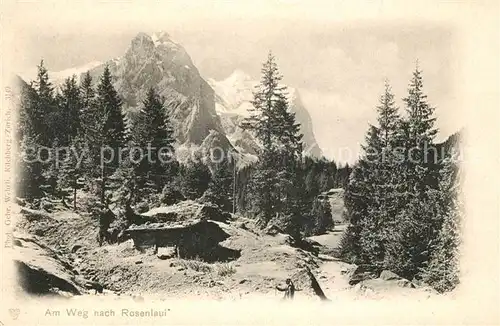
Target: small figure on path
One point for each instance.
(289, 289)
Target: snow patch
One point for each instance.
(58, 77)
(160, 38)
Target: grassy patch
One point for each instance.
(225, 269)
(221, 269)
(195, 265)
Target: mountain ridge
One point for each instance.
(205, 113)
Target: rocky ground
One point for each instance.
(60, 251)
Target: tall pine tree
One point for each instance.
(153, 133)
(370, 193)
(44, 115)
(70, 107)
(220, 188)
(108, 131)
(274, 126)
(109, 105)
(442, 271)
(416, 179)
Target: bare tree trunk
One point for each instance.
(74, 198)
(315, 285)
(103, 186)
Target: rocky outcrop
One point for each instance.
(362, 273)
(157, 61)
(371, 281)
(389, 276)
(42, 271)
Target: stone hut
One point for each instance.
(190, 227)
(196, 239)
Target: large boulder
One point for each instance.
(213, 212)
(364, 272)
(389, 276)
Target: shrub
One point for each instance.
(225, 269)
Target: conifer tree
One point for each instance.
(87, 92)
(359, 201)
(263, 188)
(108, 130)
(274, 126)
(388, 117)
(109, 105)
(195, 178)
(370, 192)
(416, 179)
(384, 187)
(422, 168)
(37, 106)
(220, 188)
(43, 113)
(27, 114)
(269, 94)
(442, 271)
(92, 127)
(289, 149)
(153, 133)
(320, 218)
(70, 110)
(30, 170)
(73, 167)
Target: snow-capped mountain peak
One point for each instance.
(238, 77)
(233, 96)
(58, 77)
(160, 38)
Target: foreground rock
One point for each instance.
(389, 276)
(362, 273)
(42, 270)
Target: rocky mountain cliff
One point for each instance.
(157, 61)
(232, 103)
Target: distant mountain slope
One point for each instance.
(233, 97)
(157, 61)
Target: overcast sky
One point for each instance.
(339, 66)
